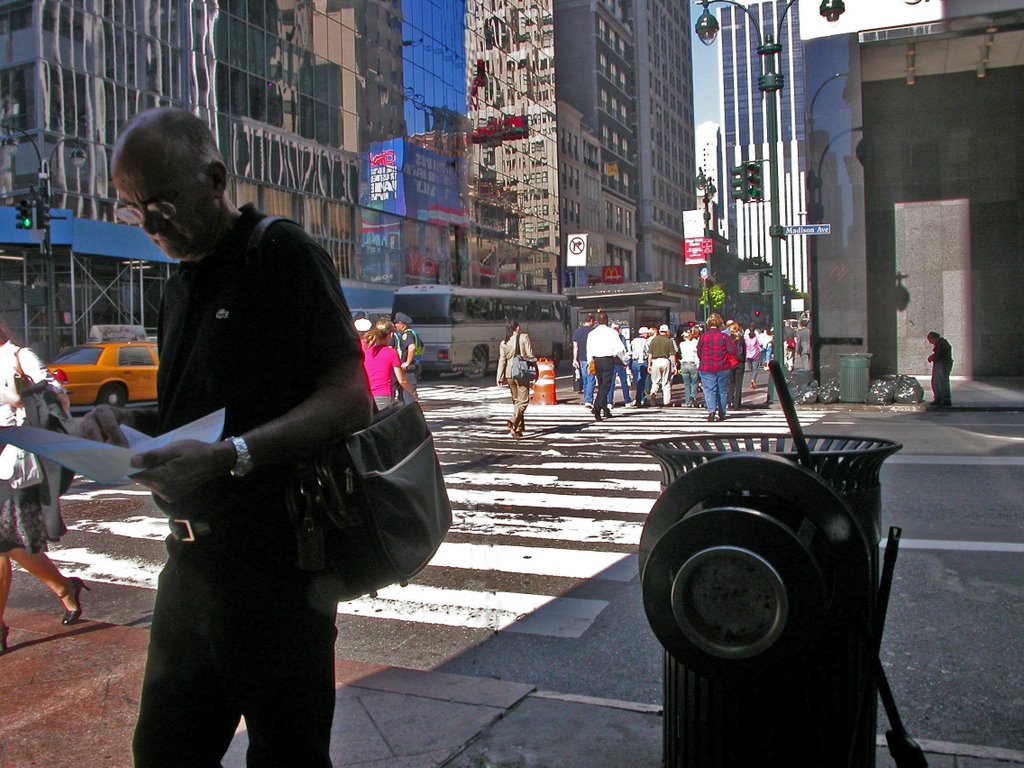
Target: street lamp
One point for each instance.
(769, 83)
(40, 198)
(707, 186)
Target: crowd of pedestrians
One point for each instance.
(712, 362)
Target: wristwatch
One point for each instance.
(243, 459)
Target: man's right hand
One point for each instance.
(575, 363)
(103, 424)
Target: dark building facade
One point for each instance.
(916, 159)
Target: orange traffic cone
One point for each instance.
(544, 386)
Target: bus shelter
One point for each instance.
(650, 303)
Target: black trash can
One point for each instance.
(782, 675)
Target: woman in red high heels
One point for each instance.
(24, 528)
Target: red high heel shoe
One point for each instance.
(77, 585)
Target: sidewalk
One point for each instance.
(69, 697)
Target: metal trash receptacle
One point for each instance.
(809, 717)
(854, 376)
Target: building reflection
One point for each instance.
(310, 100)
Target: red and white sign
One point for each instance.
(697, 249)
(576, 251)
(612, 274)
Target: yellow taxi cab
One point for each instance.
(105, 372)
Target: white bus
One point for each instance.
(461, 328)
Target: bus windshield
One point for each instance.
(424, 309)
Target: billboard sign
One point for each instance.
(407, 180)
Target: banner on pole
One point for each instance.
(697, 249)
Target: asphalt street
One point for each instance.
(537, 581)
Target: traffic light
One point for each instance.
(755, 185)
(42, 215)
(23, 215)
(738, 189)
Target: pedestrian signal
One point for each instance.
(23, 215)
(42, 215)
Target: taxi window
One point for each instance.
(127, 356)
(78, 356)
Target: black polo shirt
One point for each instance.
(249, 333)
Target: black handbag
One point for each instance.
(372, 510)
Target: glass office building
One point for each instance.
(360, 119)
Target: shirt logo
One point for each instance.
(222, 314)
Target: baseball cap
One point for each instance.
(644, 330)
(663, 329)
(401, 317)
(363, 324)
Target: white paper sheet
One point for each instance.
(108, 464)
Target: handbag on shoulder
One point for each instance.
(46, 407)
(373, 509)
(522, 369)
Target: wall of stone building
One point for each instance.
(944, 219)
(933, 250)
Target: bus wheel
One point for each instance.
(478, 365)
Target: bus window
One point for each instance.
(424, 309)
(480, 309)
(457, 309)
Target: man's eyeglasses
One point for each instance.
(130, 213)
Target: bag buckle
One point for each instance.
(190, 534)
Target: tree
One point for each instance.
(712, 297)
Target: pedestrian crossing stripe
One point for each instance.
(612, 484)
(499, 497)
(585, 530)
(418, 603)
(494, 501)
(496, 611)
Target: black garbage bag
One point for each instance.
(908, 390)
(829, 391)
(880, 392)
(809, 393)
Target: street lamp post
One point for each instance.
(41, 199)
(769, 83)
(707, 186)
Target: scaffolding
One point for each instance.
(90, 290)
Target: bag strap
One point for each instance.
(517, 345)
(21, 371)
(258, 233)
